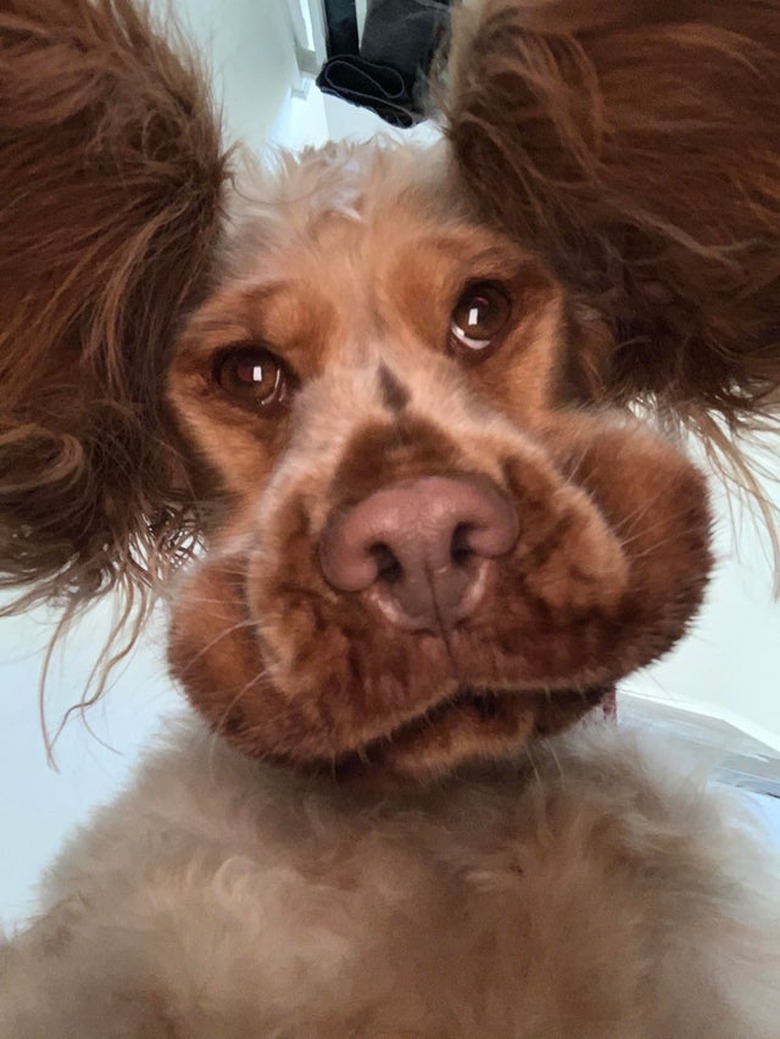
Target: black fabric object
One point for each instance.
(387, 73)
(377, 87)
(404, 34)
(341, 27)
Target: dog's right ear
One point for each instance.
(111, 179)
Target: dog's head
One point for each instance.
(428, 537)
(432, 549)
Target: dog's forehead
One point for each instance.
(352, 206)
(343, 247)
(347, 178)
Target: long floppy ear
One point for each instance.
(637, 145)
(111, 174)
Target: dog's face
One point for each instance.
(433, 550)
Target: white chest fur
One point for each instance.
(586, 893)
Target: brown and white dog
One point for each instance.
(432, 542)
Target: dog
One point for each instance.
(361, 422)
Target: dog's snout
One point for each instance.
(420, 548)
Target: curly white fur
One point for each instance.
(592, 890)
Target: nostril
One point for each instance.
(388, 567)
(460, 549)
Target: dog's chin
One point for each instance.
(475, 726)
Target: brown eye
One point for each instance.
(481, 313)
(253, 377)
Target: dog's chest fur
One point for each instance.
(220, 897)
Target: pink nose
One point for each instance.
(421, 548)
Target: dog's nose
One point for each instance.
(420, 549)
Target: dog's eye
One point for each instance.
(253, 377)
(481, 313)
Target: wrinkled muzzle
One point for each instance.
(424, 582)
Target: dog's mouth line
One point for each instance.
(495, 713)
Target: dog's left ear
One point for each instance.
(111, 177)
(636, 146)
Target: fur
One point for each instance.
(633, 144)
(370, 831)
(593, 889)
(111, 177)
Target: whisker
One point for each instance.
(225, 633)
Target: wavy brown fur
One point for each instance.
(636, 145)
(111, 172)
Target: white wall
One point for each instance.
(249, 47)
(729, 665)
(39, 806)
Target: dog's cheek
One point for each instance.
(612, 560)
(658, 504)
(214, 654)
(210, 650)
(570, 558)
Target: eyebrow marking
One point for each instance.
(392, 392)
